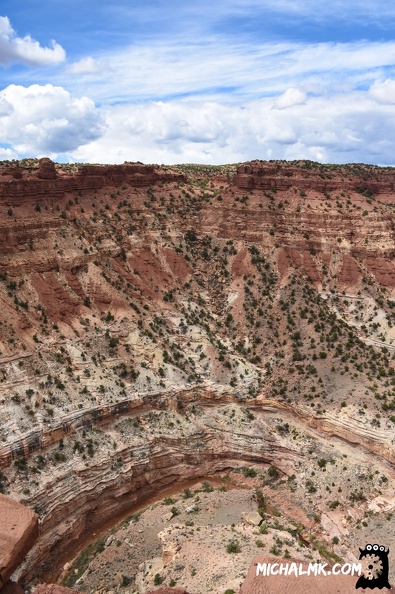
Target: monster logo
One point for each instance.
(374, 560)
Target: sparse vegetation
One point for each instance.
(233, 546)
(200, 317)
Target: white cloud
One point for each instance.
(344, 127)
(290, 98)
(84, 66)
(5, 107)
(47, 120)
(25, 49)
(215, 68)
(7, 154)
(383, 92)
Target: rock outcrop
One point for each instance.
(80, 498)
(19, 186)
(46, 169)
(18, 533)
(281, 176)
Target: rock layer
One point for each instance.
(46, 184)
(81, 498)
(281, 176)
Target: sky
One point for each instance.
(209, 81)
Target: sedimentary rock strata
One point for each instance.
(159, 325)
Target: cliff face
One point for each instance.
(320, 225)
(158, 325)
(281, 176)
(19, 531)
(45, 182)
(146, 450)
(344, 237)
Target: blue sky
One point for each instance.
(210, 82)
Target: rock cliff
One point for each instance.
(43, 181)
(19, 531)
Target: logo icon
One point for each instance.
(374, 561)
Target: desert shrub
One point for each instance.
(233, 546)
(249, 472)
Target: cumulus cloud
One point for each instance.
(25, 49)
(47, 120)
(5, 107)
(341, 127)
(337, 127)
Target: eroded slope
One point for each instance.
(159, 325)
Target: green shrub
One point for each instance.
(168, 501)
(233, 546)
(273, 473)
(263, 528)
(249, 472)
(207, 488)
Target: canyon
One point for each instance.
(164, 324)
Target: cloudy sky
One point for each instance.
(208, 81)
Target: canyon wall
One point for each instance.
(164, 439)
(159, 325)
(280, 176)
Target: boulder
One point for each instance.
(252, 518)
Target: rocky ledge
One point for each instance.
(44, 181)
